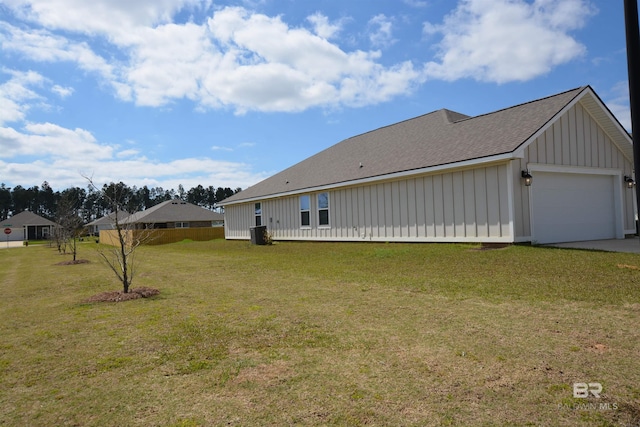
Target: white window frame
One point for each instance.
(307, 210)
(182, 224)
(257, 212)
(319, 209)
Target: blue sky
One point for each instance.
(227, 93)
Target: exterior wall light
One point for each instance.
(630, 182)
(527, 178)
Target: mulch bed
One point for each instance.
(72, 262)
(118, 296)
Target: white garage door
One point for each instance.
(570, 207)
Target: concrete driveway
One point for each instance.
(630, 244)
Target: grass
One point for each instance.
(322, 334)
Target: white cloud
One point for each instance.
(106, 17)
(168, 62)
(268, 66)
(65, 155)
(47, 139)
(62, 92)
(322, 27)
(238, 59)
(127, 153)
(218, 148)
(42, 45)
(416, 3)
(189, 172)
(16, 96)
(430, 29)
(381, 34)
(507, 40)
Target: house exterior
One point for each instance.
(28, 226)
(169, 222)
(447, 177)
(107, 222)
(175, 214)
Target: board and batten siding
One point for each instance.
(574, 140)
(463, 206)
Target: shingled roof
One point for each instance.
(442, 137)
(172, 211)
(110, 218)
(26, 218)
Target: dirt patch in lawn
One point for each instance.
(74, 262)
(118, 296)
(631, 267)
(491, 246)
(598, 348)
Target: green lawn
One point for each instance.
(321, 334)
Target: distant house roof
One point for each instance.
(26, 218)
(109, 219)
(438, 139)
(172, 211)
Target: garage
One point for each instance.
(570, 207)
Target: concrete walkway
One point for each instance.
(5, 244)
(630, 244)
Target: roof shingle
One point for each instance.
(438, 138)
(28, 218)
(172, 211)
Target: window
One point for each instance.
(323, 209)
(258, 213)
(304, 211)
(182, 225)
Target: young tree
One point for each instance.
(121, 258)
(69, 221)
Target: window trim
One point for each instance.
(319, 209)
(257, 214)
(303, 211)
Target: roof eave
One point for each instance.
(610, 124)
(498, 158)
(600, 112)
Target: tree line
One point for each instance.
(92, 203)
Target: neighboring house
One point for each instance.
(28, 226)
(447, 177)
(170, 221)
(175, 214)
(107, 222)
